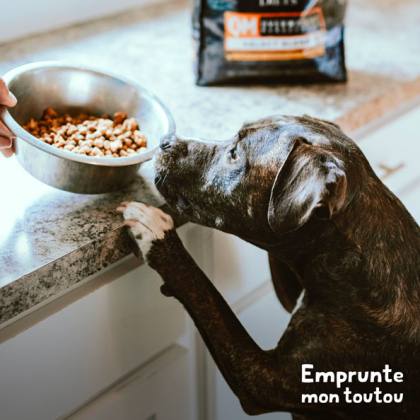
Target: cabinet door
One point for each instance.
(157, 391)
(265, 320)
(239, 266)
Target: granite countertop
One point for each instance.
(51, 239)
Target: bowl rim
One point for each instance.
(20, 132)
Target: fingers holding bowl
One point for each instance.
(6, 146)
(6, 137)
(6, 97)
(6, 141)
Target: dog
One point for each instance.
(300, 189)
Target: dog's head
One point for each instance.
(270, 179)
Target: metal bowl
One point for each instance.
(72, 90)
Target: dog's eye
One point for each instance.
(234, 154)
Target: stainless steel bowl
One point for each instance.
(72, 90)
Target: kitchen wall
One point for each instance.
(16, 21)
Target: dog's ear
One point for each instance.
(310, 182)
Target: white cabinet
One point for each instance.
(156, 391)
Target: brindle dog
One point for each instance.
(300, 189)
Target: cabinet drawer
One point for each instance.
(157, 391)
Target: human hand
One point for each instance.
(8, 99)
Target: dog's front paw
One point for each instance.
(146, 224)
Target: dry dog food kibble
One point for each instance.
(88, 135)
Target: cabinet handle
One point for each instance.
(388, 170)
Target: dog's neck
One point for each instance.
(368, 256)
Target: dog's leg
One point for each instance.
(250, 372)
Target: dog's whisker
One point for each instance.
(158, 181)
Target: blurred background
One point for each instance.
(24, 18)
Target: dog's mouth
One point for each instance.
(185, 206)
(177, 191)
(172, 195)
(182, 201)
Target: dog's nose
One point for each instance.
(166, 141)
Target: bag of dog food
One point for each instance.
(278, 41)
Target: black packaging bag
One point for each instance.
(272, 41)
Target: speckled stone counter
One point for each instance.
(51, 240)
